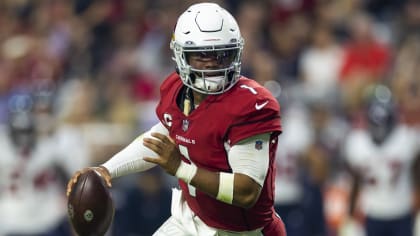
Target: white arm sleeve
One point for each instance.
(130, 159)
(250, 158)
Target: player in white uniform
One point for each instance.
(32, 176)
(380, 157)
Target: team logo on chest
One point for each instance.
(185, 125)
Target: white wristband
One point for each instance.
(186, 172)
(226, 181)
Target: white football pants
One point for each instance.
(183, 222)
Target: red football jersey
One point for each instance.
(245, 110)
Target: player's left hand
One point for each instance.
(169, 157)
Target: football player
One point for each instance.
(32, 172)
(380, 159)
(217, 134)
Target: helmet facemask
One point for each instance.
(381, 113)
(212, 80)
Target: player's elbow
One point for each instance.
(247, 200)
(247, 194)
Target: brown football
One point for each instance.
(90, 207)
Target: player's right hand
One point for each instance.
(169, 157)
(103, 172)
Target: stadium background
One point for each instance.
(90, 71)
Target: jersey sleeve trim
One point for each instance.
(275, 129)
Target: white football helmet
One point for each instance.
(208, 30)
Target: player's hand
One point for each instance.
(103, 172)
(169, 157)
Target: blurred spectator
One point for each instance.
(5, 84)
(263, 69)
(79, 125)
(405, 82)
(407, 21)
(253, 22)
(383, 10)
(286, 40)
(366, 60)
(320, 64)
(283, 10)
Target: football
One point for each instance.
(90, 207)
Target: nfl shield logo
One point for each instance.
(185, 124)
(258, 144)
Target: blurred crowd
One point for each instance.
(79, 79)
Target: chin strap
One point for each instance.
(187, 102)
(187, 106)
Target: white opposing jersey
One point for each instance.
(386, 189)
(32, 194)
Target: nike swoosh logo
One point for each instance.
(260, 106)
